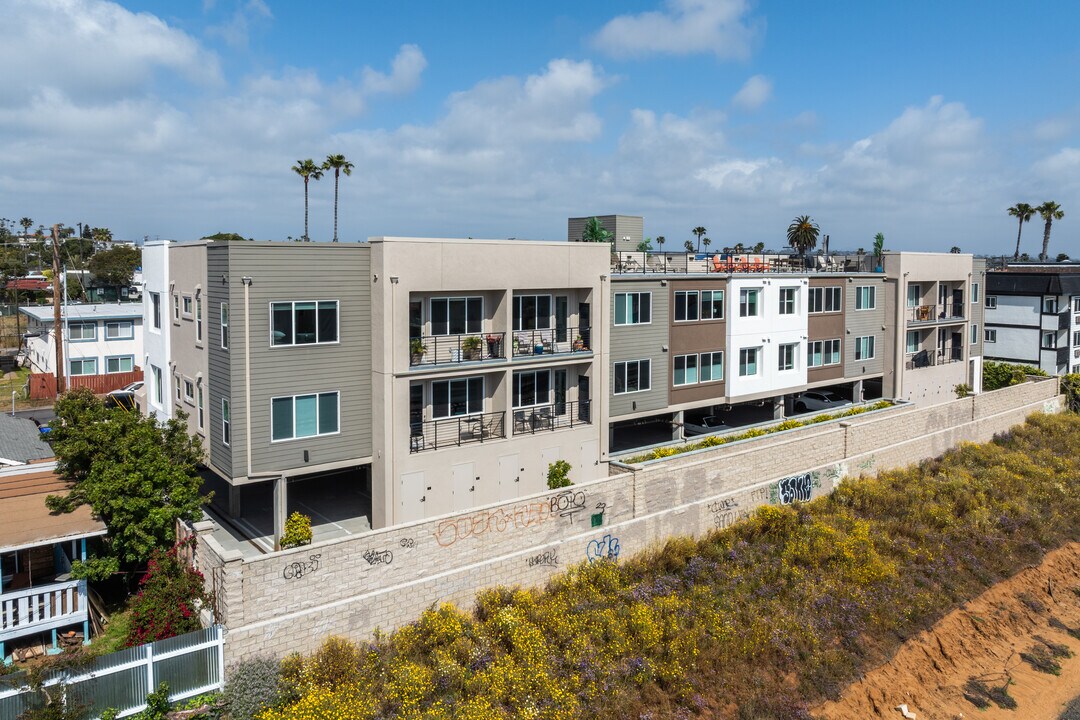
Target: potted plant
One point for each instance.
(579, 344)
(470, 347)
(879, 249)
(417, 348)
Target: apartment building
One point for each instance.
(99, 339)
(1033, 316)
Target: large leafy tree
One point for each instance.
(308, 170)
(1023, 212)
(227, 237)
(339, 165)
(700, 232)
(802, 234)
(136, 474)
(115, 266)
(77, 250)
(595, 232)
(1050, 211)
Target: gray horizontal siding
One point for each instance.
(638, 342)
(219, 383)
(859, 323)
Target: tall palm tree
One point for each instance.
(308, 170)
(339, 165)
(1050, 212)
(660, 240)
(26, 223)
(802, 234)
(1023, 211)
(706, 242)
(699, 231)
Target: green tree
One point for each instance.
(759, 247)
(595, 232)
(955, 249)
(136, 474)
(308, 170)
(77, 251)
(660, 240)
(700, 232)
(1050, 211)
(645, 245)
(706, 242)
(802, 234)
(689, 245)
(1022, 212)
(339, 165)
(101, 235)
(879, 247)
(169, 598)
(115, 266)
(227, 237)
(1062, 257)
(26, 223)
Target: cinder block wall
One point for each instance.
(289, 601)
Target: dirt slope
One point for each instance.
(984, 638)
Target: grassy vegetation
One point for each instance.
(756, 621)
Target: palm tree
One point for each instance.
(1050, 212)
(955, 249)
(689, 245)
(308, 170)
(706, 242)
(1023, 211)
(595, 232)
(699, 231)
(339, 165)
(660, 240)
(26, 223)
(802, 234)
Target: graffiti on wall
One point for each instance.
(796, 488)
(605, 547)
(726, 512)
(495, 521)
(300, 568)
(548, 558)
(407, 543)
(378, 557)
(567, 504)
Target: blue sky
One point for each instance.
(921, 120)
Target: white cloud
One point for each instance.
(684, 27)
(237, 28)
(754, 93)
(404, 74)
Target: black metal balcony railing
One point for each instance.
(449, 432)
(443, 349)
(936, 313)
(551, 341)
(540, 418)
(928, 358)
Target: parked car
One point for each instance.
(132, 387)
(819, 400)
(121, 399)
(708, 424)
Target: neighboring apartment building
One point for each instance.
(627, 231)
(1033, 316)
(100, 339)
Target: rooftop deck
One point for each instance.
(683, 263)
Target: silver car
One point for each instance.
(819, 400)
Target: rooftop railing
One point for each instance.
(644, 263)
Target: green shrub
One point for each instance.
(558, 475)
(170, 595)
(997, 375)
(297, 531)
(962, 390)
(1070, 386)
(253, 686)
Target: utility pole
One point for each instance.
(58, 328)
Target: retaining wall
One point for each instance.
(289, 601)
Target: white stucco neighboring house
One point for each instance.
(100, 339)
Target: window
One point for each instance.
(864, 347)
(531, 312)
(198, 317)
(990, 336)
(303, 416)
(155, 302)
(712, 304)
(914, 295)
(453, 398)
(748, 361)
(685, 370)
(633, 376)
(189, 392)
(865, 297)
(912, 342)
(226, 423)
(199, 393)
(1076, 304)
(1076, 337)
(119, 364)
(456, 316)
(120, 330)
(712, 366)
(633, 308)
(83, 366)
(176, 307)
(187, 306)
(786, 360)
(824, 299)
(80, 331)
(748, 302)
(974, 333)
(224, 326)
(974, 293)
(176, 384)
(686, 305)
(532, 387)
(304, 322)
(1049, 305)
(159, 389)
(991, 302)
(820, 353)
(1049, 340)
(787, 300)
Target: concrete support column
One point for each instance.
(677, 430)
(778, 408)
(234, 502)
(281, 508)
(857, 391)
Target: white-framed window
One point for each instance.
(787, 352)
(787, 300)
(824, 299)
(864, 347)
(119, 364)
(914, 295)
(1049, 305)
(633, 308)
(990, 335)
(188, 304)
(198, 316)
(155, 305)
(685, 370)
(305, 322)
(457, 397)
(199, 395)
(911, 342)
(82, 331)
(748, 361)
(712, 304)
(456, 315)
(1076, 338)
(820, 353)
(176, 384)
(974, 293)
(531, 312)
(1076, 304)
(712, 366)
(159, 384)
(303, 416)
(83, 366)
(686, 305)
(176, 307)
(749, 302)
(531, 387)
(224, 318)
(1049, 340)
(226, 422)
(633, 376)
(119, 330)
(189, 391)
(991, 302)
(974, 333)
(865, 297)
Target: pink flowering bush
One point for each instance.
(170, 595)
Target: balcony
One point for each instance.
(42, 608)
(544, 418)
(457, 431)
(683, 263)
(551, 341)
(949, 312)
(451, 349)
(927, 358)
